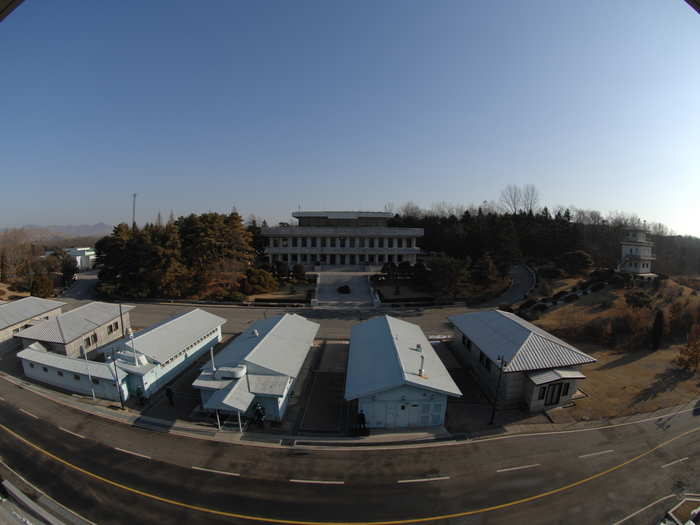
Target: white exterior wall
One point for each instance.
(405, 406)
(157, 377)
(533, 393)
(73, 382)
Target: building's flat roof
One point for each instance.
(235, 396)
(385, 354)
(34, 354)
(547, 376)
(165, 339)
(71, 325)
(15, 312)
(364, 231)
(523, 345)
(343, 214)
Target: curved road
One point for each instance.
(605, 473)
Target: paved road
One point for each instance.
(523, 281)
(376, 484)
(84, 286)
(329, 282)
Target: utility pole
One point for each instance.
(502, 362)
(133, 212)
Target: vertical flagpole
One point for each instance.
(218, 421)
(240, 427)
(87, 368)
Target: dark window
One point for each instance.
(342, 242)
(86, 341)
(371, 243)
(313, 242)
(31, 365)
(45, 369)
(294, 242)
(303, 242)
(95, 381)
(390, 242)
(565, 389)
(93, 338)
(323, 242)
(361, 241)
(399, 243)
(59, 373)
(76, 377)
(543, 390)
(332, 244)
(352, 242)
(380, 242)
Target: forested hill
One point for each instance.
(542, 235)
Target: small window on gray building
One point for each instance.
(31, 365)
(86, 341)
(543, 390)
(76, 377)
(390, 242)
(45, 369)
(565, 389)
(95, 381)
(59, 373)
(93, 338)
(399, 243)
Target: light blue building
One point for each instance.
(155, 355)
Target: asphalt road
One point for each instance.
(329, 282)
(411, 483)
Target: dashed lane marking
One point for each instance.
(510, 469)
(421, 480)
(596, 453)
(317, 481)
(132, 453)
(216, 471)
(674, 462)
(28, 413)
(72, 433)
(266, 519)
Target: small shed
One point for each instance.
(516, 362)
(396, 376)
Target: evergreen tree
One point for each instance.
(484, 272)
(3, 267)
(657, 330)
(41, 285)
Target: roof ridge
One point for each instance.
(255, 347)
(396, 347)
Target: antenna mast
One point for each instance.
(133, 211)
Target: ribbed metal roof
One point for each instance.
(385, 353)
(163, 340)
(21, 310)
(74, 324)
(523, 345)
(69, 364)
(279, 344)
(235, 396)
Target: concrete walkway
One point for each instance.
(329, 282)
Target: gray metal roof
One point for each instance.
(523, 345)
(163, 340)
(556, 374)
(69, 364)
(235, 396)
(384, 354)
(75, 323)
(280, 346)
(15, 312)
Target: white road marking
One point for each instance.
(438, 478)
(674, 462)
(132, 453)
(518, 468)
(28, 413)
(317, 481)
(216, 471)
(73, 433)
(596, 453)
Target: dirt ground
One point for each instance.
(388, 290)
(285, 292)
(625, 383)
(10, 294)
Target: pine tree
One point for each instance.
(3, 267)
(41, 285)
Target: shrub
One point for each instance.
(558, 296)
(638, 299)
(597, 286)
(2, 292)
(236, 296)
(550, 273)
(527, 304)
(689, 358)
(540, 307)
(570, 298)
(505, 308)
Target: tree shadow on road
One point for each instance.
(665, 381)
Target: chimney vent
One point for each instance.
(421, 370)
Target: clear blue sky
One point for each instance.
(346, 105)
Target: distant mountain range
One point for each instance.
(37, 232)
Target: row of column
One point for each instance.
(341, 259)
(343, 242)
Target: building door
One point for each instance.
(391, 415)
(414, 413)
(402, 414)
(553, 394)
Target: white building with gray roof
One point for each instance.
(396, 376)
(23, 313)
(155, 355)
(81, 330)
(539, 370)
(73, 374)
(259, 366)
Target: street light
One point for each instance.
(502, 362)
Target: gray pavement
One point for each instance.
(84, 286)
(329, 282)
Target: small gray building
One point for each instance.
(539, 370)
(396, 376)
(259, 366)
(83, 329)
(21, 314)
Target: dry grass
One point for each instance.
(10, 293)
(406, 289)
(285, 292)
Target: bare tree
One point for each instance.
(530, 198)
(511, 199)
(410, 209)
(389, 207)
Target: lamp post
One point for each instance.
(502, 364)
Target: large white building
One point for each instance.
(396, 376)
(333, 239)
(21, 314)
(637, 253)
(259, 366)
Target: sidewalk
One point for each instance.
(393, 439)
